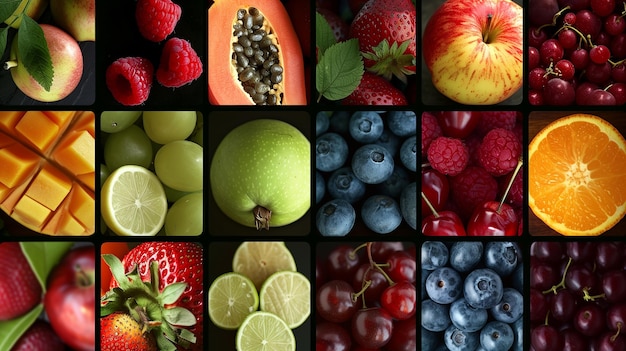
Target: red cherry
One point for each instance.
(436, 187)
(399, 300)
(401, 267)
(493, 219)
(458, 124)
(372, 327)
(445, 223)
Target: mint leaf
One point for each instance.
(33, 52)
(13, 329)
(7, 7)
(339, 70)
(324, 36)
(43, 256)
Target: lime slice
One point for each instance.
(288, 295)
(264, 331)
(133, 202)
(232, 297)
(258, 260)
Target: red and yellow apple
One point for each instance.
(31, 8)
(77, 17)
(474, 50)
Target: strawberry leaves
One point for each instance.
(391, 60)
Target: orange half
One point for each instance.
(577, 175)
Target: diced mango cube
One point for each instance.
(88, 180)
(68, 225)
(37, 128)
(61, 118)
(30, 212)
(49, 187)
(86, 121)
(8, 120)
(17, 162)
(5, 140)
(83, 206)
(77, 153)
(3, 192)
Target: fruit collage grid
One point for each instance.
(572, 290)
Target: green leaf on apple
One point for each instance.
(34, 52)
(43, 257)
(4, 34)
(324, 36)
(13, 329)
(339, 70)
(7, 7)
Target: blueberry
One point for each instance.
(322, 123)
(389, 141)
(366, 126)
(331, 152)
(435, 317)
(408, 205)
(483, 288)
(396, 182)
(517, 278)
(335, 218)
(466, 317)
(430, 340)
(510, 308)
(434, 254)
(518, 332)
(408, 153)
(339, 122)
(402, 123)
(458, 340)
(496, 336)
(381, 214)
(320, 187)
(443, 285)
(502, 257)
(465, 255)
(372, 164)
(425, 274)
(343, 184)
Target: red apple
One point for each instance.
(70, 298)
(474, 50)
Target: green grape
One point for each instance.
(163, 127)
(172, 194)
(104, 173)
(117, 121)
(179, 165)
(185, 216)
(128, 147)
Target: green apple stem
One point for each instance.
(262, 217)
(488, 29)
(9, 64)
(508, 187)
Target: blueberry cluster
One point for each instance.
(472, 296)
(366, 162)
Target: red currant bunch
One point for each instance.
(366, 297)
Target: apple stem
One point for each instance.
(432, 208)
(488, 29)
(262, 217)
(510, 184)
(9, 64)
(83, 279)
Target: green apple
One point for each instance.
(67, 63)
(261, 173)
(31, 8)
(77, 17)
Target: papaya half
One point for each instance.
(254, 55)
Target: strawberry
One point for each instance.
(119, 331)
(20, 290)
(40, 337)
(387, 37)
(339, 27)
(375, 90)
(166, 266)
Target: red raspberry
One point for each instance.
(471, 188)
(430, 130)
(179, 64)
(129, 79)
(157, 19)
(496, 119)
(499, 151)
(448, 155)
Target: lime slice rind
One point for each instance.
(231, 298)
(288, 295)
(264, 331)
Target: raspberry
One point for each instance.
(499, 151)
(156, 19)
(496, 119)
(179, 64)
(471, 188)
(448, 155)
(430, 130)
(129, 79)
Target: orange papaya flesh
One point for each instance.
(262, 22)
(47, 178)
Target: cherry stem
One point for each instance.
(554, 19)
(355, 296)
(619, 329)
(520, 162)
(9, 64)
(488, 29)
(588, 297)
(382, 271)
(432, 208)
(356, 249)
(586, 39)
(547, 318)
(561, 284)
(426, 165)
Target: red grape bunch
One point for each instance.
(577, 296)
(577, 52)
(366, 297)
